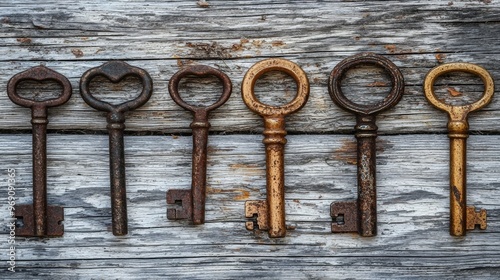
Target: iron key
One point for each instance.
(116, 71)
(39, 219)
(193, 200)
(361, 215)
(270, 214)
(462, 217)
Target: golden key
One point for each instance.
(462, 217)
(270, 214)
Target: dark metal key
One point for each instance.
(193, 200)
(361, 215)
(39, 219)
(116, 71)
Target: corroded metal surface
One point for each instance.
(193, 201)
(116, 71)
(365, 207)
(273, 211)
(39, 219)
(461, 216)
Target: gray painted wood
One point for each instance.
(162, 37)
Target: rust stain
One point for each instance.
(258, 43)
(440, 57)
(243, 196)
(278, 43)
(296, 201)
(211, 190)
(175, 136)
(390, 48)
(378, 84)
(203, 4)
(214, 48)
(453, 92)
(347, 152)
(77, 52)
(24, 40)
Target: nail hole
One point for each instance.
(340, 219)
(366, 84)
(200, 91)
(275, 88)
(115, 93)
(39, 91)
(458, 88)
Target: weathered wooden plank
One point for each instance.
(412, 206)
(315, 34)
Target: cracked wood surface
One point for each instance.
(162, 37)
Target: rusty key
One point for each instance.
(193, 200)
(270, 214)
(39, 219)
(116, 71)
(361, 215)
(462, 217)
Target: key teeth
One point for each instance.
(476, 218)
(185, 197)
(349, 211)
(257, 211)
(55, 215)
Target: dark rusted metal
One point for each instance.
(39, 219)
(193, 200)
(361, 215)
(116, 71)
(270, 215)
(462, 217)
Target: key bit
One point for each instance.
(193, 200)
(271, 213)
(39, 219)
(461, 216)
(116, 71)
(361, 215)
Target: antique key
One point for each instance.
(193, 200)
(116, 71)
(39, 219)
(462, 217)
(270, 214)
(361, 215)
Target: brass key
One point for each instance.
(193, 200)
(361, 215)
(270, 214)
(39, 219)
(462, 217)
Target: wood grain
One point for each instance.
(164, 36)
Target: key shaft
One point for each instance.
(366, 133)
